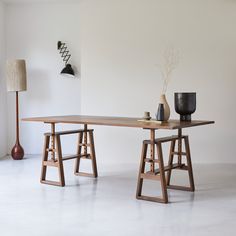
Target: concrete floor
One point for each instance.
(107, 206)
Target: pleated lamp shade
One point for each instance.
(16, 75)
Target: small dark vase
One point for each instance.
(185, 105)
(160, 112)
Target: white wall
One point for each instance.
(32, 34)
(3, 111)
(121, 41)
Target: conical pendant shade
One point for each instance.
(68, 70)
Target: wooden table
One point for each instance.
(154, 174)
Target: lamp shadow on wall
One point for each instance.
(37, 95)
(77, 71)
(38, 85)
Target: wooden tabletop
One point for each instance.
(117, 121)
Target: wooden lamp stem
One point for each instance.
(17, 152)
(17, 117)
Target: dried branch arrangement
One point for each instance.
(169, 63)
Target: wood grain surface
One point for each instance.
(118, 121)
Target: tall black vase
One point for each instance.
(160, 112)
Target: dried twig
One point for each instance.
(170, 62)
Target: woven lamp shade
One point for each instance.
(16, 75)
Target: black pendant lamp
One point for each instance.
(67, 70)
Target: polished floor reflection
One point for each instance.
(107, 206)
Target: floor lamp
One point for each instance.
(16, 82)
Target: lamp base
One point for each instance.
(17, 152)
